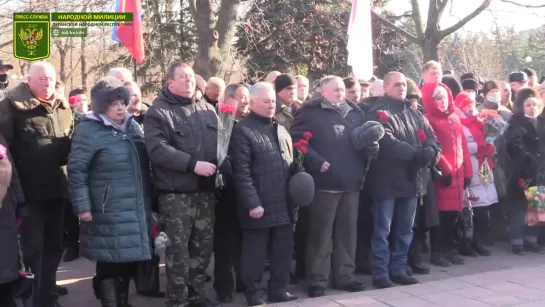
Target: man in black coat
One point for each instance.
(338, 170)
(262, 155)
(394, 174)
(227, 234)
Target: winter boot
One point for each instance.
(479, 248)
(454, 258)
(465, 249)
(106, 292)
(415, 259)
(440, 260)
(123, 291)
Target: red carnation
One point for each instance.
(303, 149)
(303, 142)
(155, 230)
(225, 108)
(383, 116)
(421, 135)
(522, 185)
(307, 135)
(22, 273)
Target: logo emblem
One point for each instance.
(31, 40)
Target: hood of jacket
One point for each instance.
(21, 98)
(429, 101)
(171, 98)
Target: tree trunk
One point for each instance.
(207, 63)
(83, 64)
(430, 48)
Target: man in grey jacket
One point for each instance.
(181, 138)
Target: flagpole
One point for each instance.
(135, 69)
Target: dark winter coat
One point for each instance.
(179, 132)
(109, 176)
(394, 173)
(262, 155)
(526, 148)
(9, 255)
(455, 158)
(38, 136)
(331, 142)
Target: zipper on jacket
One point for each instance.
(455, 157)
(105, 197)
(50, 117)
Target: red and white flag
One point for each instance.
(360, 41)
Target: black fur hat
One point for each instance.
(106, 91)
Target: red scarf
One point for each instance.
(476, 127)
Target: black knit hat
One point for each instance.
(470, 84)
(283, 81)
(488, 86)
(105, 92)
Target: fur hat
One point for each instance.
(413, 92)
(105, 92)
(470, 84)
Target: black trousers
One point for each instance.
(6, 297)
(300, 242)
(481, 224)
(365, 232)
(71, 227)
(227, 245)
(255, 243)
(42, 242)
(441, 237)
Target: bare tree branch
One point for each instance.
(399, 30)
(417, 16)
(461, 23)
(6, 44)
(529, 6)
(442, 7)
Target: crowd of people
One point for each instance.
(322, 181)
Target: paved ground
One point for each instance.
(503, 279)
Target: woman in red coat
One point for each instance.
(456, 172)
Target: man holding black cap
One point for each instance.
(4, 80)
(286, 99)
(518, 80)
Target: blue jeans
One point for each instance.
(384, 211)
(518, 230)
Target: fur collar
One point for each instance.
(22, 99)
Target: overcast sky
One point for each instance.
(506, 14)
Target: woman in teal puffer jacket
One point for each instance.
(110, 186)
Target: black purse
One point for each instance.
(22, 289)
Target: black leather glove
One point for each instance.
(424, 156)
(428, 154)
(372, 150)
(447, 180)
(467, 182)
(226, 167)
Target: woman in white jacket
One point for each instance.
(482, 189)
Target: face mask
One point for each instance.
(493, 99)
(3, 77)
